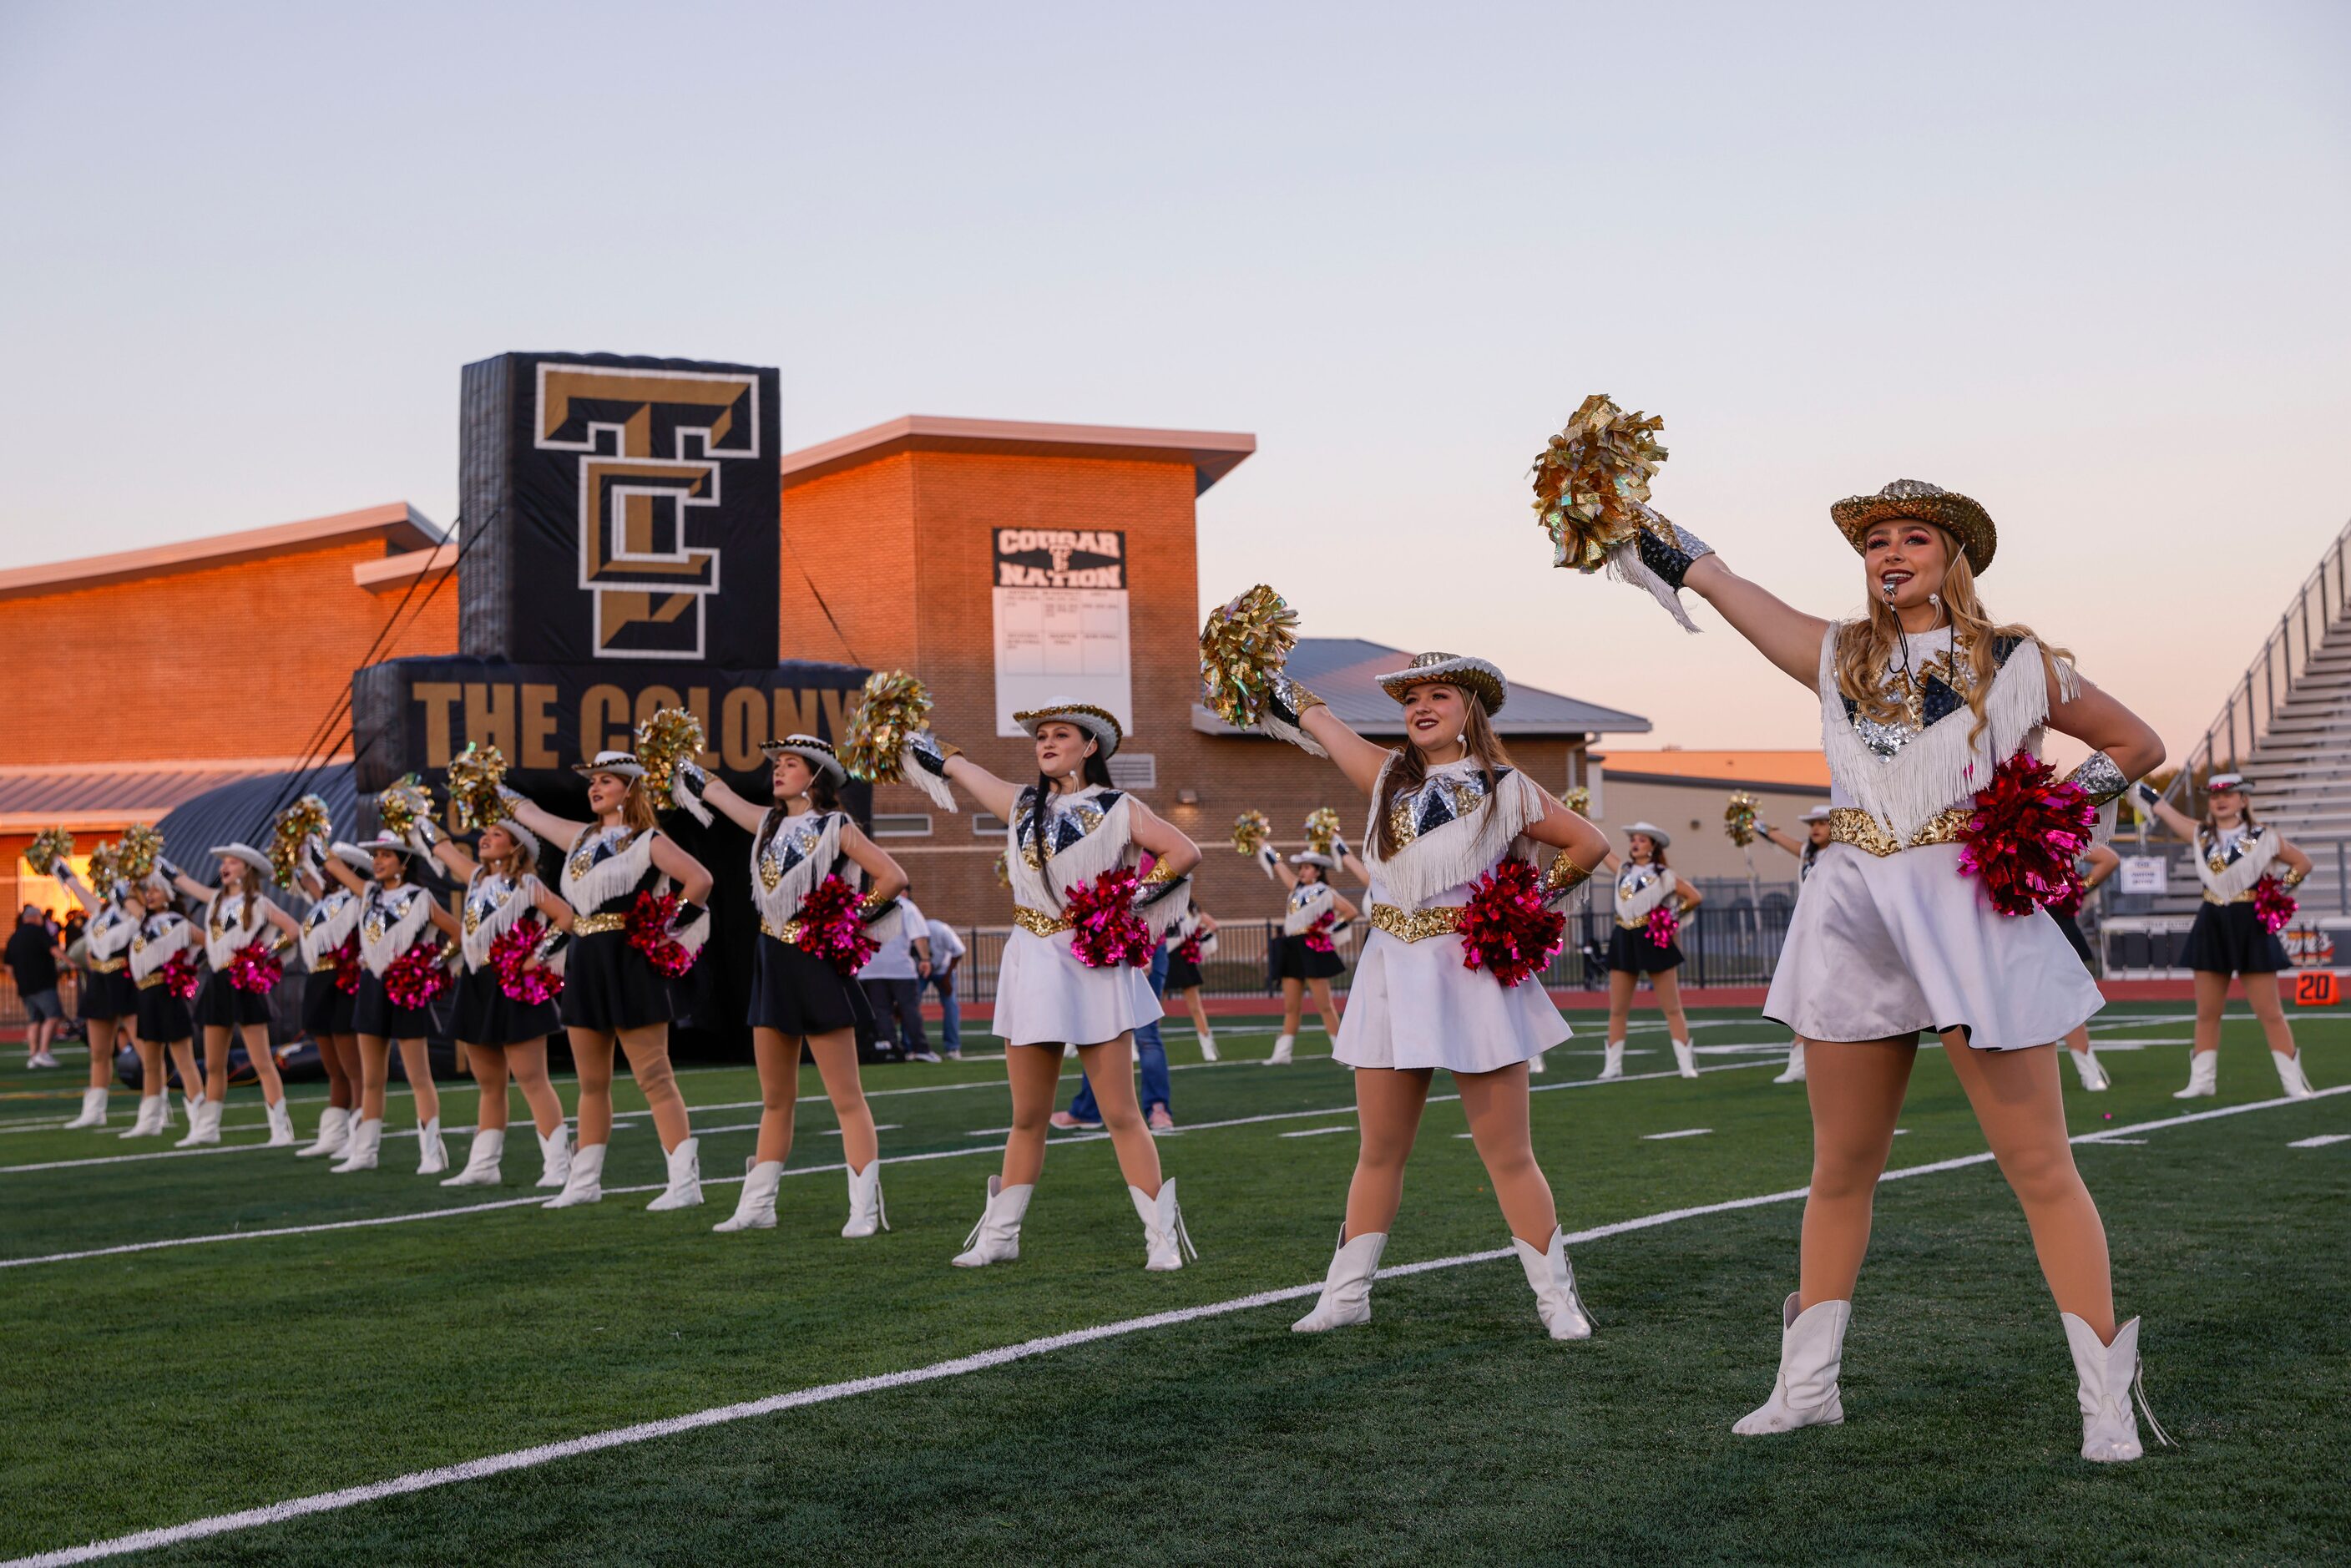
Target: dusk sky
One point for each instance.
(2087, 263)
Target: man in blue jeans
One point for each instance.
(1148, 1052)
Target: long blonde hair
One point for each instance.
(1410, 769)
(637, 809)
(1867, 647)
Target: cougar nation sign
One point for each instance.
(1062, 621)
(623, 508)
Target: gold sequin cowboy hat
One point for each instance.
(1473, 676)
(619, 764)
(1099, 723)
(817, 753)
(1915, 500)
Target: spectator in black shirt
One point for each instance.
(32, 956)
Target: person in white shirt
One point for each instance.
(893, 979)
(947, 957)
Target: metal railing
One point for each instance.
(2252, 704)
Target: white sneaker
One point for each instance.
(2203, 1076)
(684, 1190)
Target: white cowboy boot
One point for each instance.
(1165, 1240)
(2090, 1070)
(2289, 1069)
(1812, 1349)
(1612, 1060)
(997, 1238)
(93, 1109)
(1282, 1044)
(555, 1157)
(431, 1154)
(1347, 1284)
(334, 1133)
(756, 1208)
(281, 1125)
(2108, 1374)
(1207, 1048)
(1685, 1058)
(360, 1149)
(585, 1184)
(203, 1123)
(2203, 1075)
(1795, 1070)
(1552, 1278)
(867, 1214)
(1535, 1062)
(482, 1159)
(149, 1123)
(684, 1190)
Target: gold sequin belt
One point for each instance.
(789, 933)
(109, 966)
(152, 981)
(1852, 825)
(2214, 898)
(596, 924)
(1420, 925)
(1037, 923)
(325, 964)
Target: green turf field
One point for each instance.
(269, 1361)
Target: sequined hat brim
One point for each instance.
(397, 846)
(1961, 518)
(1474, 675)
(819, 757)
(1099, 723)
(631, 770)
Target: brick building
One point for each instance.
(898, 543)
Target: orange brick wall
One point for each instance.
(231, 661)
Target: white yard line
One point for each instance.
(2320, 1142)
(1684, 1132)
(1319, 1132)
(957, 1366)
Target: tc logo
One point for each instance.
(651, 444)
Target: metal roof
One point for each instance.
(76, 798)
(1344, 672)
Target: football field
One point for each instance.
(229, 1355)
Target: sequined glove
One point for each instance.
(549, 951)
(1672, 557)
(64, 871)
(422, 835)
(1657, 559)
(1163, 899)
(875, 909)
(171, 872)
(1270, 861)
(689, 911)
(2148, 794)
(2292, 879)
(688, 782)
(1563, 878)
(929, 752)
(512, 796)
(2099, 777)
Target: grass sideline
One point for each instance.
(191, 1381)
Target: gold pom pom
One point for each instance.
(475, 776)
(140, 846)
(1578, 800)
(1739, 818)
(49, 846)
(893, 707)
(1003, 872)
(1250, 832)
(1242, 649)
(305, 819)
(1592, 479)
(670, 736)
(105, 866)
(1321, 827)
(402, 807)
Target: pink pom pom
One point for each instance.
(1506, 929)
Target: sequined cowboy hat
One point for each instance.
(515, 830)
(1099, 723)
(817, 753)
(351, 855)
(1310, 857)
(1474, 675)
(619, 764)
(1656, 834)
(1817, 814)
(245, 852)
(381, 841)
(2222, 783)
(1919, 501)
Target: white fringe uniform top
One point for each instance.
(1883, 944)
(392, 919)
(2229, 863)
(1044, 995)
(1309, 902)
(328, 924)
(227, 931)
(158, 937)
(1640, 888)
(791, 856)
(109, 933)
(492, 904)
(604, 866)
(1412, 1003)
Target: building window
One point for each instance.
(1136, 772)
(903, 825)
(986, 825)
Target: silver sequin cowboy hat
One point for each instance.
(1654, 833)
(1915, 500)
(245, 852)
(817, 753)
(619, 764)
(1312, 857)
(2223, 783)
(1098, 722)
(1473, 676)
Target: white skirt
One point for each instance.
(1413, 1005)
(1881, 947)
(1045, 996)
